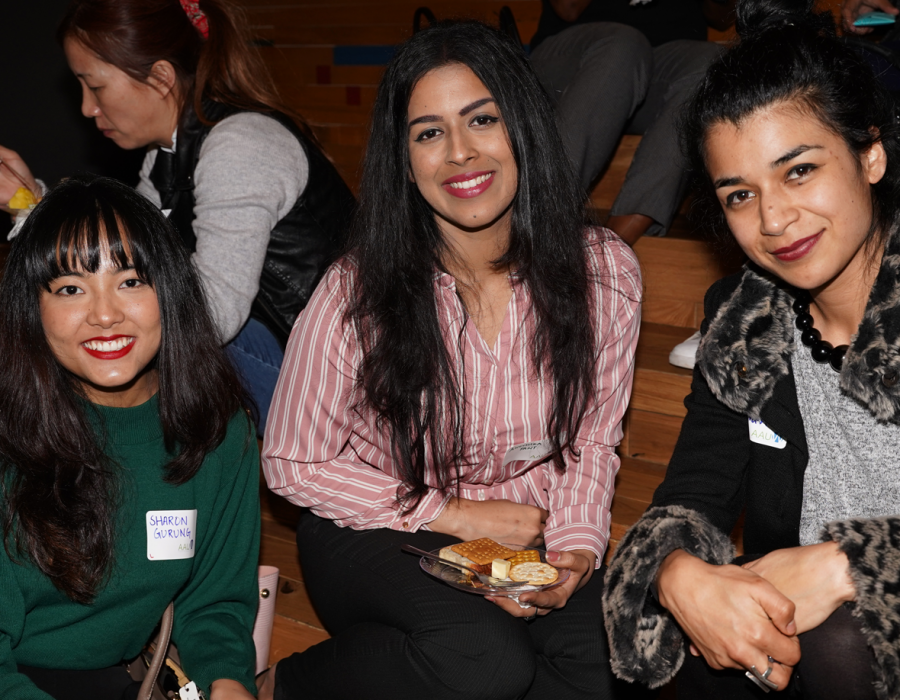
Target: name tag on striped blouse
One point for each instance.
(527, 452)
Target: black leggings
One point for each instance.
(398, 633)
(835, 664)
(112, 683)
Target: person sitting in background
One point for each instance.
(614, 67)
(852, 10)
(475, 319)
(254, 199)
(117, 406)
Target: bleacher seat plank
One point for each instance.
(289, 637)
(637, 479)
(276, 552)
(659, 386)
(292, 601)
(278, 529)
(659, 392)
(650, 436)
(677, 272)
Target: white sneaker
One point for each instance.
(685, 354)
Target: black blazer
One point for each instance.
(717, 471)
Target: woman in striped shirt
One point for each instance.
(461, 373)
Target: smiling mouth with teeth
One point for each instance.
(113, 345)
(468, 184)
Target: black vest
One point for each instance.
(302, 244)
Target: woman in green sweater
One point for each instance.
(129, 467)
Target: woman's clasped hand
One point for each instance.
(733, 617)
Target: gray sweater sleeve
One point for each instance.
(250, 173)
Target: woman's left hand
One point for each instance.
(580, 562)
(226, 689)
(815, 577)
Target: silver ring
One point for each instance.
(762, 678)
(532, 616)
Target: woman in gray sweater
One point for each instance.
(261, 208)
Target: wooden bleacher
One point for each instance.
(327, 57)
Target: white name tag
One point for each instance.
(171, 534)
(189, 692)
(762, 434)
(527, 452)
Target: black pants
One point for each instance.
(398, 633)
(112, 683)
(835, 664)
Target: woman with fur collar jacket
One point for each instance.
(801, 154)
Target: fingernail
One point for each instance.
(552, 556)
(487, 597)
(792, 627)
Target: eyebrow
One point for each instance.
(778, 162)
(463, 112)
(475, 105)
(790, 155)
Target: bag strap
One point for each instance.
(159, 654)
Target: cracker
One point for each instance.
(525, 555)
(483, 551)
(535, 573)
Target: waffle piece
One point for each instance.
(525, 555)
(483, 551)
(535, 573)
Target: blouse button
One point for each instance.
(405, 525)
(889, 379)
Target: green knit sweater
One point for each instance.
(215, 591)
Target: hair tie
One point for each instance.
(196, 16)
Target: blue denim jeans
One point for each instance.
(257, 356)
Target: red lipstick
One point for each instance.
(469, 192)
(797, 250)
(111, 355)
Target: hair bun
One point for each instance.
(755, 17)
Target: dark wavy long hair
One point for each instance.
(60, 489)
(787, 53)
(407, 376)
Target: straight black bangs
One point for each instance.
(80, 223)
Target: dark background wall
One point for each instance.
(40, 112)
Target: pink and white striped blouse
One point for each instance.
(322, 454)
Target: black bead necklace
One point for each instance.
(821, 350)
